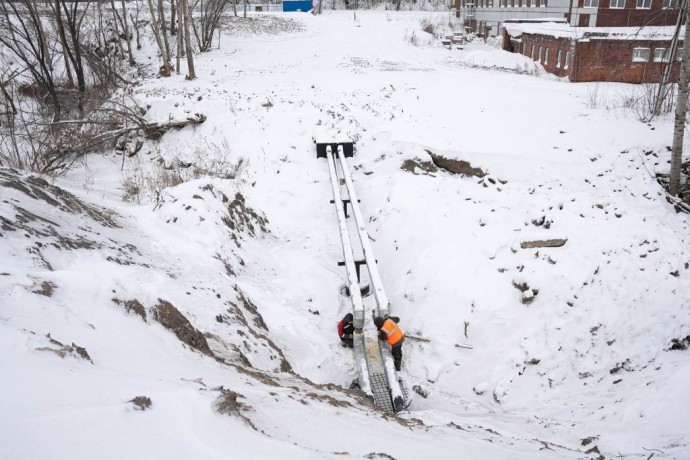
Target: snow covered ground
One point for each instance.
(560, 352)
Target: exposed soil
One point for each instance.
(228, 404)
(455, 166)
(132, 306)
(39, 189)
(413, 166)
(171, 318)
(66, 350)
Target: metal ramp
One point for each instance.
(377, 377)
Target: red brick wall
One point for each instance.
(551, 43)
(630, 16)
(611, 60)
(595, 60)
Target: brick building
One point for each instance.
(617, 54)
(486, 17)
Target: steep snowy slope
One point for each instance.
(515, 352)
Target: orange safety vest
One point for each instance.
(393, 333)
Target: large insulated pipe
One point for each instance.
(350, 268)
(353, 284)
(377, 284)
(379, 292)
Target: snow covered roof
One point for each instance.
(534, 20)
(559, 30)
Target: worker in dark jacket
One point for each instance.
(393, 334)
(346, 329)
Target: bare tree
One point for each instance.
(63, 41)
(117, 27)
(6, 77)
(681, 110)
(173, 6)
(164, 28)
(101, 38)
(178, 54)
(74, 14)
(210, 12)
(135, 24)
(165, 69)
(187, 40)
(24, 37)
(128, 37)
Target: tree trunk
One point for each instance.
(101, 38)
(63, 43)
(136, 30)
(8, 98)
(173, 13)
(39, 26)
(188, 41)
(164, 28)
(245, 9)
(117, 28)
(74, 20)
(234, 7)
(129, 38)
(681, 111)
(178, 55)
(165, 70)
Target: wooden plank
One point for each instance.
(555, 243)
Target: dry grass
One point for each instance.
(46, 289)
(141, 402)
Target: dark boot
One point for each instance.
(398, 366)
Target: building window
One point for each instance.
(558, 59)
(546, 57)
(541, 53)
(670, 4)
(644, 4)
(542, 3)
(524, 49)
(640, 55)
(594, 3)
(661, 55)
(567, 59)
(532, 55)
(618, 3)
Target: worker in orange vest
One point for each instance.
(393, 334)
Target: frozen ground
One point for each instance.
(520, 353)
